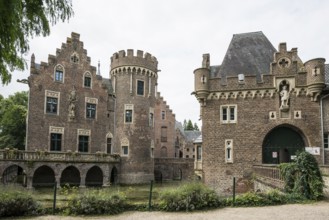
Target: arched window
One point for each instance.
(109, 138)
(87, 82)
(59, 73)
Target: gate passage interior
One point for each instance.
(281, 145)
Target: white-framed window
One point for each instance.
(228, 113)
(56, 138)
(87, 80)
(91, 107)
(52, 102)
(326, 141)
(140, 87)
(229, 151)
(124, 147)
(83, 140)
(129, 113)
(59, 73)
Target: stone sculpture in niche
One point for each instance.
(72, 101)
(284, 94)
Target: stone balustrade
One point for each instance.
(13, 154)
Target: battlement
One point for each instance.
(141, 59)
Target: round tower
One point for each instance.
(134, 79)
(315, 77)
(201, 78)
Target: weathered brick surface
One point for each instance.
(254, 101)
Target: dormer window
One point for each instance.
(87, 80)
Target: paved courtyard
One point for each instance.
(318, 211)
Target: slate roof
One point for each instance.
(108, 84)
(198, 140)
(192, 135)
(248, 53)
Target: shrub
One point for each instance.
(303, 176)
(96, 202)
(15, 202)
(188, 197)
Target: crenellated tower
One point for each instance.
(315, 77)
(134, 79)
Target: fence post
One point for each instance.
(55, 190)
(150, 195)
(233, 191)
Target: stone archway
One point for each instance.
(13, 174)
(43, 176)
(94, 177)
(70, 176)
(281, 144)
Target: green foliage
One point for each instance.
(303, 176)
(188, 126)
(15, 202)
(13, 111)
(96, 202)
(196, 127)
(188, 197)
(24, 19)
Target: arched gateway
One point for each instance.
(281, 144)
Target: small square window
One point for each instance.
(228, 114)
(91, 110)
(51, 105)
(140, 87)
(163, 115)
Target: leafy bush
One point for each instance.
(14, 202)
(188, 197)
(96, 202)
(303, 176)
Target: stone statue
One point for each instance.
(72, 100)
(284, 98)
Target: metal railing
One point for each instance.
(268, 171)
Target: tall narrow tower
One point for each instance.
(134, 79)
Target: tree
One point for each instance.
(13, 112)
(196, 127)
(24, 19)
(189, 126)
(184, 124)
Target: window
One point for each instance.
(163, 134)
(229, 151)
(187, 149)
(228, 113)
(129, 113)
(109, 145)
(163, 115)
(87, 80)
(124, 150)
(90, 110)
(187, 156)
(83, 143)
(51, 105)
(198, 152)
(325, 141)
(128, 116)
(55, 142)
(59, 76)
(140, 87)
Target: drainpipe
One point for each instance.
(322, 129)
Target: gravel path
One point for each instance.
(318, 211)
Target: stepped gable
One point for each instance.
(248, 54)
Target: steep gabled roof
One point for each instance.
(248, 53)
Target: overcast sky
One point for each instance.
(178, 32)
